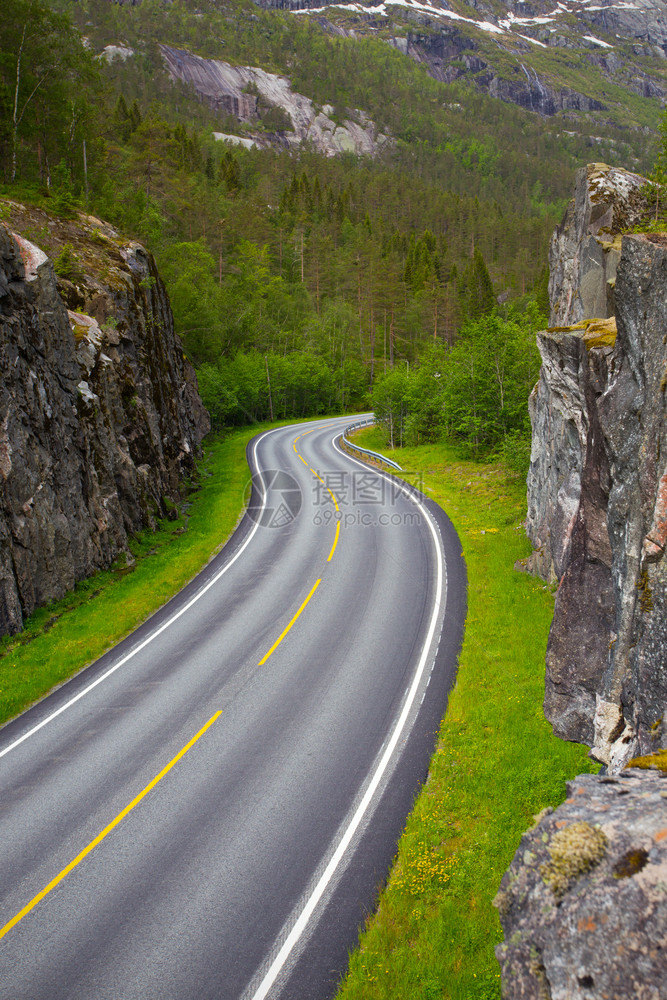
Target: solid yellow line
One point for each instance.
(286, 630)
(335, 502)
(107, 829)
(333, 547)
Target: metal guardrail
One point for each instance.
(367, 451)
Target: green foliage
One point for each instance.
(64, 196)
(47, 80)
(475, 392)
(68, 264)
(251, 386)
(489, 374)
(658, 175)
(276, 119)
(475, 288)
(363, 264)
(196, 298)
(390, 403)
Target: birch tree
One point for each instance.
(40, 56)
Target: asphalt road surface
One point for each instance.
(208, 811)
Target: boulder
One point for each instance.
(584, 903)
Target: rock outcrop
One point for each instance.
(248, 93)
(100, 417)
(596, 487)
(584, 903)
(450, 55)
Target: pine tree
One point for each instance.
(122, 120)
(476, 288)
(135, 116)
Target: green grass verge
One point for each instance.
(60, 639)
(496, 764)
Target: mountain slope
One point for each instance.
(577, 56)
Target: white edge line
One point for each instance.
(319, 890)
(157, 632)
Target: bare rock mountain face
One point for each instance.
(584, 904)
(100, 417)
(252, 96)
(514, 49)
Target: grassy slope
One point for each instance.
(63, 637)
(496, 765)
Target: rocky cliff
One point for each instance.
(596, 488)
(100, 417)
(252, 96)
(584, 904)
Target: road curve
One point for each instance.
(208, 810)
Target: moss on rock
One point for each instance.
(573, 852)
(651, 762)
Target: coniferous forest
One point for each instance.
(411, 281)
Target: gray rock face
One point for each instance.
(633, 691)
(584, 904)
(585, 250)
(597, 487)
(99, 411)
(446, 53)
(225, 87)
(583, 258)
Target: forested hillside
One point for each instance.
(299, 282)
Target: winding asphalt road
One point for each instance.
(207, 812)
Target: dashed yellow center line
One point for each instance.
(106, 831)
(288, 627)
(335, 543)
(335, 503)
(329, 558)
